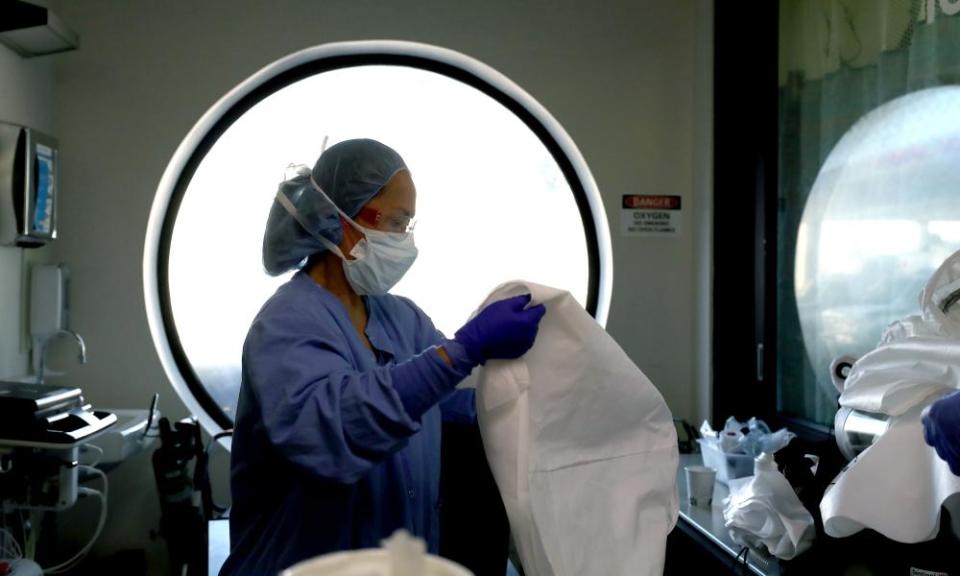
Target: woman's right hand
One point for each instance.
(505, 329)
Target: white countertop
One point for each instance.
(709, 522)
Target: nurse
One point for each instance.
(344, 386)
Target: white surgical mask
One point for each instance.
(380, 259)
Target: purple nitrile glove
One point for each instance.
(503, 329)
(941, 429)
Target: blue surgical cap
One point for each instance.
(350, 173)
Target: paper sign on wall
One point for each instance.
(650, 215)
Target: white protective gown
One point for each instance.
(582, 447)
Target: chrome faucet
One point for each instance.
(47, 339)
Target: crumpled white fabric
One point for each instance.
(898, 485)
(582, 447)
(401, 555)
(917, 358)
(764, 511)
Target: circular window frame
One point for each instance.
(309, 62)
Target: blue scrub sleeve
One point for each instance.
(421, 384)
(460, 407)
(323, 415)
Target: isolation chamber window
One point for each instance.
(881, 217)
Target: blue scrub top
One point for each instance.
(324, 455)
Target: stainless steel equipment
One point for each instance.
(854, 430)
(41, 432)
(81, 357)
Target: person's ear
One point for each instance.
(350, 235)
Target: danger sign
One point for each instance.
(634, 201)
(650, 215)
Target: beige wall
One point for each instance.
(26, 98)
(629, 80)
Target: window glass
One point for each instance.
(868, 179)
(882, 216)
(492, 204)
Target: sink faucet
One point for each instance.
(43, 349)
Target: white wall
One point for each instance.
(627, 80)
(26, 98)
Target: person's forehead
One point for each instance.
(397, 194)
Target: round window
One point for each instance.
(881, 217)
(502, 193)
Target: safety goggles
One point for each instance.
(399, 224)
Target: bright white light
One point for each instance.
(947, 230)
(846, 244)
(492, 203)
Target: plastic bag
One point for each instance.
(752, 438)
(763, 511)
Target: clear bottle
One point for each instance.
(764, 462)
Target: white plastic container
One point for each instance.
(728, 466)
